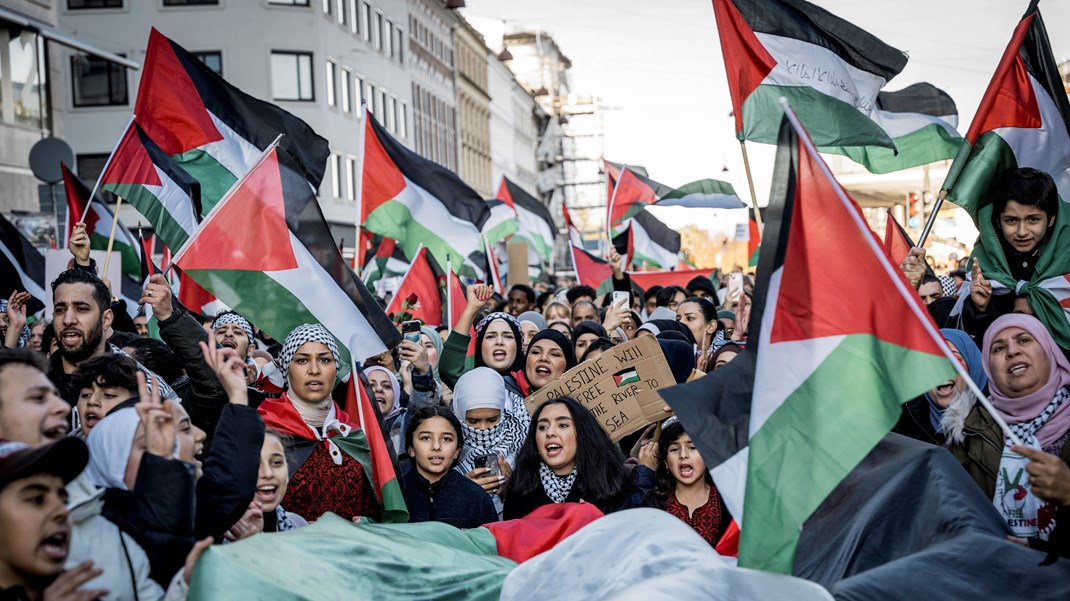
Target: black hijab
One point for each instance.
(680, 357)
(668, 325)
(559, 339)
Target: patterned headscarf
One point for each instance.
(309, 332)
(231, 317)
(518, 337)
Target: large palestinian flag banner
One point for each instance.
(827, 68)
(267, 252)
(141, 173)
(703, 194)
(629, 194)
(1023, 121)
(98, 220)
(921, 119)
(535, 224)
(811, 425)
(417, 201)
(213, 130)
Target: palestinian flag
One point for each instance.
(828, 68)
(535, 225)
(629, 194)
(897, 242)
(22, 267)
(921, 120)
(98, 224)
(811, 425)
(141, 173)
(213, 130)
(648, 279)
(653, 244)
(418, 289)
(373, 453)
(387, 260)
(754, 240)
(267, 252)
(193, 296)
(591, 270)
(703, 194)
(456, 301)
(502, 222)
(1023, 121)
(416, 201)
(625, 377)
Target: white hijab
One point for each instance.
(109, 444)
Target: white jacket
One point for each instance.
(95, 538)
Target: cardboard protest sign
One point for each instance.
(619, 388)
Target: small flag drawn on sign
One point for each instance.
(625, 377)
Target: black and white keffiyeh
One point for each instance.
(309, 332)
(556, 487)
(231, 317)
(504, 439)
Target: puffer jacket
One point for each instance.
(95, 538)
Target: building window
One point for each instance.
(380, 104)
(191, 2)
(351, 178)
(212, 58)
(80, 4)
(390, 106)
(388, 38)
(336, 175)
(347, 91)
(24, 85)
(332, 83)
(90, 166)
(289, 2)
(354, 18)
(340, 9)
(403, 130)
(98, 82)
(358, 92)
(377, 31)
(291, 75)
(366, 21)
(327, 6)
(399, 45)
(369, 96)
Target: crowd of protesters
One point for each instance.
(123, 457)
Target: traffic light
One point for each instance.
(913, 204)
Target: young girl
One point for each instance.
(271, 485)
(433, 490)
(683, 486)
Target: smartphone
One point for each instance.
(489, 461)
(735, 288)
(620, 298)
(411, 330)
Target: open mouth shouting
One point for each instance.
(71, 338)
(266, 493)
(55, 545)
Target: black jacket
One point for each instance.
(454, 500)
(204, 397)
(915, 423)
(518, 506)
(228, 481)
(158, 513)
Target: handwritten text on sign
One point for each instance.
(618, 388)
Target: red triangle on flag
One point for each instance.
(896, 246)
(77, 200)
(419, 280)
(247, 230)
(746, 60)
(130, 163)
(505, 196)
(169, 108)
(825, 244)
(1009, 100)
(381, 180)
(458, 300)
(630, 190)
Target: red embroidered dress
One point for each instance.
(709, 520)
(328, 478)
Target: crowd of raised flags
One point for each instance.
(248, 419)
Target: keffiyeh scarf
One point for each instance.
(309, 332)
(556, 487)
(234, 318)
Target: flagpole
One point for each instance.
(449, 294)
(750, 184)
(111, 236)
(612, 202)
(358, 185)
(932, 218)
(897, 278)
(96, 185)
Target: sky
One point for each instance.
(659, 69)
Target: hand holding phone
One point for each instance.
(410, 330)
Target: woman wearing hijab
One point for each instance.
(549, 356)
(492, 435)
(657, 326)
(921, 417)
(531, 323)
(568, 457)
(326, 472)
(680, 357)
(387, 392)
(584, 334)
(1029, 387)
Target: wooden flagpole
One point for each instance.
(750, 184)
